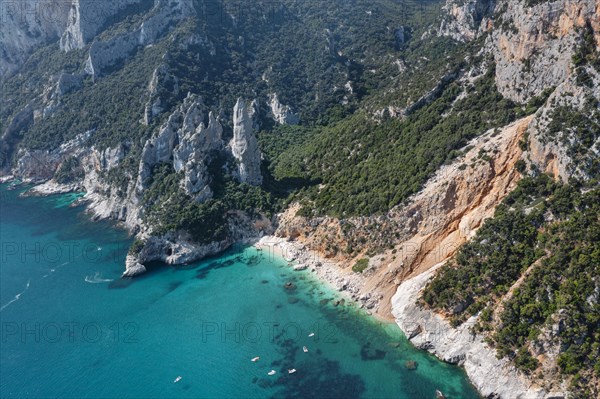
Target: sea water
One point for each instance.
(71, 327)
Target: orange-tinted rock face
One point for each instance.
(435, 223)
(533, 46)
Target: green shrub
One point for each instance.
(361, 265)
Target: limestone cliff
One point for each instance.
(160, 20)
(188, 143)
(533, 45)
(244, 145)
(493, 377)
(26, 25)
(464, 20)
(280, 113)
(86, 18)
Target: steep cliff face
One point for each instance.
(244, 145)
(86, 18)
(163, 17)
(493, 377)
(557, 147)
(542, 49)
(464, 20)
(188, 143)
(537, 49)
(161, 79)
(26, 25)
(533, 45)
(280, 113)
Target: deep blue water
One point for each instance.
(72, 328)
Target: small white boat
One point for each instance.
(177, 379)
(272, 372)
(255, 359)
(311, 334)
(439, 394)
(305, 349)
(291, 371)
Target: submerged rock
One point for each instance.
(410, 365)
(368, 353)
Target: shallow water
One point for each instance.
(72, 328)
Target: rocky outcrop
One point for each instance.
(174, 249)
(132, 267)
(66, 83)
(86, 18)
(533, 45)
(103, 55)
(550, 151)
(11, 135)
(163, 17)
(51, 98)
(161, 79)
(37, 165)
(41, 165)
(188, 142)
(158, 149)
(463, 19)
(178, 248)
(244, 145)
(282, 114)
(493, 377)
(25, 25)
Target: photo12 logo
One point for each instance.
(69, 333)
(60, 253)
(36, 11)
(255, 332)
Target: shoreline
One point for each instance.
(342, 280)
(427, 330)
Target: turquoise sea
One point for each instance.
(72, 328)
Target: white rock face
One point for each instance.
(244, 145)
(132, 267)
(188, 142)
(25, 25)
(86, 18)
(280, 113)
(536, 52)
(463, 19)
(492, 377)
(159, 21)
(161, 77)
(178, 248)
(103, 55)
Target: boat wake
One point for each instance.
(97, 279)
(16, 298)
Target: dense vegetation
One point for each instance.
(381, 107)
(366, 166)
(169, 208)
(69, 171)
(548, 235)
(578, 131)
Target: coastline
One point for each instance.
(340, 279)
(334, 275)
(427, 330)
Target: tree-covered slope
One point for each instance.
(532, 276)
